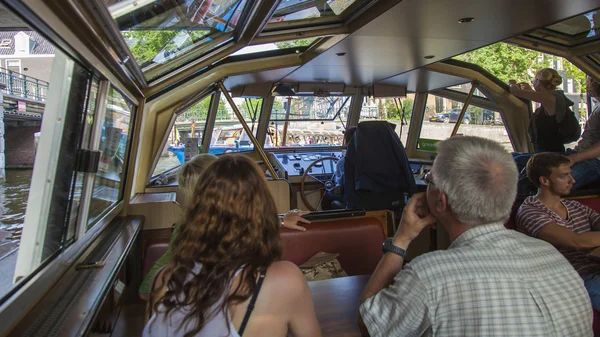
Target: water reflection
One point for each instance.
(13, 201)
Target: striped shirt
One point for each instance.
(533, 215)
(491, 281)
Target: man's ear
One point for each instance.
(544, 181)
(441, 204)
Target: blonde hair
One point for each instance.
(549, 78)
(188, 174)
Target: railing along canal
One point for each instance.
(20, 85)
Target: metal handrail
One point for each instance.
(20, 85)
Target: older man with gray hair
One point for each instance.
(491, 281)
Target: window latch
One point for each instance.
(87, 161)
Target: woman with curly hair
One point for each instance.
(225, 277)
(544, 129)
(187, 178)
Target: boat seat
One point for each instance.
(358, 241)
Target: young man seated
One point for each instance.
(491, 281)
(571, 227)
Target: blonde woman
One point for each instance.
(544, 127)
(187, 178)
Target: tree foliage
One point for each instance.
(145, 45)
(295, 43)
(199, 111)
(507, 62)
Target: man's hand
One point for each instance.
(291, 219)
(573, 158)
(415, 218)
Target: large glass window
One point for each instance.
(108, 182)
(188, 124)
(486, 123)
(88, 124)
(228, 134)
(441, 114)
(158, 32)
(299, 121)
(35, 227)
(396, 110)
(299, 10)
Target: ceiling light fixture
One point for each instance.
(466, 20)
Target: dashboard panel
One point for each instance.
(295, 164)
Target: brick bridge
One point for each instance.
(23, 102)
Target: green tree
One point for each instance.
(394, 111)
(146, 44)
(505, 61)
(199, 111)
(295, 43)
(579, 78)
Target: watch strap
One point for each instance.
(388, 247)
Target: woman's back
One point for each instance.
(283, 304)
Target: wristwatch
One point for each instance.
(389, 247)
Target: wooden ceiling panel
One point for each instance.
(423, 80)
(258, 77)
(398, 40)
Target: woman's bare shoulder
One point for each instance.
(285, 276)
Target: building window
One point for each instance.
(13, 65)
(570, 86)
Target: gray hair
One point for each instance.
(479, 178)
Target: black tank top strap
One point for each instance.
(261, 278)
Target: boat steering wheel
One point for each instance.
(326, 185)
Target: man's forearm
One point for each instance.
(589, 153)
(389, 266)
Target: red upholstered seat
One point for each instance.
(358, 241)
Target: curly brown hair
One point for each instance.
(231, 224)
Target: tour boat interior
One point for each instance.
(276, 80)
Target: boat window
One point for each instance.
(88, 123)
(275, 46)
(300, 121)
(35, 228)
(465, 88)
(396, 110)
(159, 32)
(572, 32)
(308, 11)
(228, 134)
(188, 124)
(486, 123)
(441, 114)
(109, 181)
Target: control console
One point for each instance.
(295, 164)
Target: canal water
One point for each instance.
(13, 202)
(14, 192)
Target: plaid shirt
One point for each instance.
(490, 282)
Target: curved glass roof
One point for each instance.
(573, 31)
(311, 12)
(159, 32)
